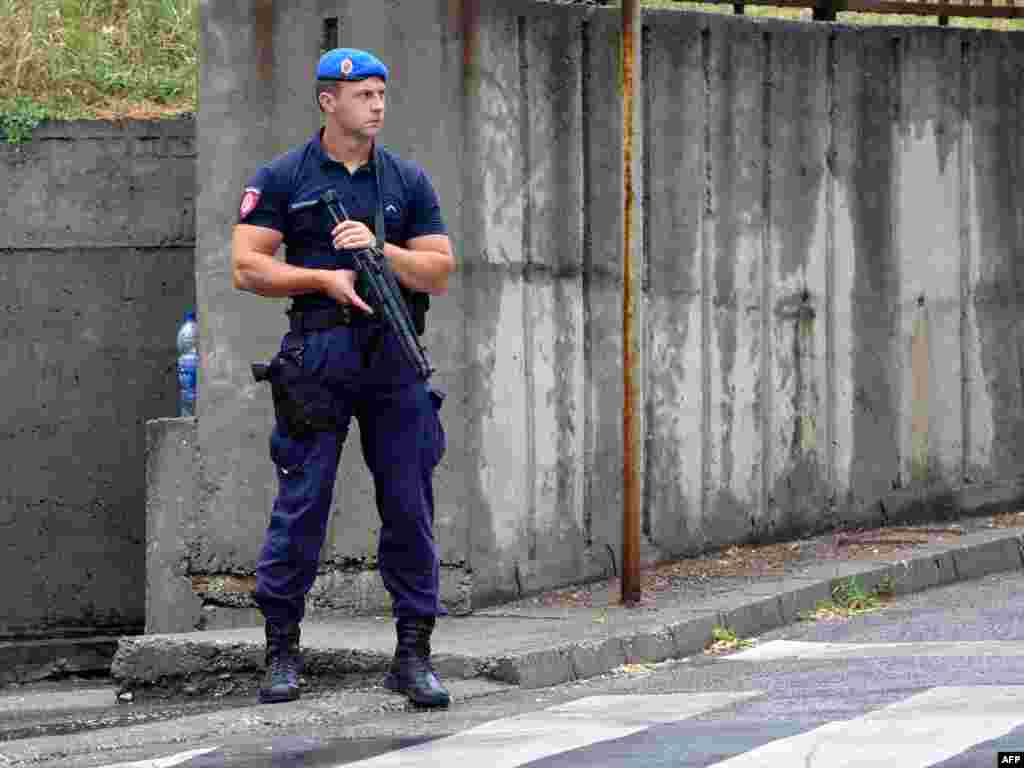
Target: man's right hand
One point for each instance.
(340, 285)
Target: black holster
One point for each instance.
(302, 405)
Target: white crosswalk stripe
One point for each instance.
(515, 741)
(165, 762)
(794, 649)
(914, 733)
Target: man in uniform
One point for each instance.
(351, 363)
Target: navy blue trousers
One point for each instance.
(362, 370)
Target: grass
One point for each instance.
(68, 59)
(876, 19)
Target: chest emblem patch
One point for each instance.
(249, 201)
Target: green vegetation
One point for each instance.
(804, 14)
(724, 640)
(19, 117)
(849, 598)
(68, 59)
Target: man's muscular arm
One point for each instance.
(425, 265)
(254, 269)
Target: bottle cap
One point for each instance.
(190, 315)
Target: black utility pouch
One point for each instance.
(302, 406)
(418, 303)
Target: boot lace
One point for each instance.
(284, 669)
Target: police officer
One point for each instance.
(351, 362)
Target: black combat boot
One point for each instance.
(411, 673)
(284, 664)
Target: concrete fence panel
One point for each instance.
(97, 272)
(830, 235)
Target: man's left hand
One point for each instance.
(352, 235)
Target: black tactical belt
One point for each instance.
(320, 319)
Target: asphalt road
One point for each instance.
(933, 679)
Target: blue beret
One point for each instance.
(350, 64)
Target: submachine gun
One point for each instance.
(385, 294)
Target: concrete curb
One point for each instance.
(190, 664)
(752, 613)
(25, 661)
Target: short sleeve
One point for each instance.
(426, 216)
(263, 202)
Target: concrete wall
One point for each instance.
(97, 244)
(831, 239)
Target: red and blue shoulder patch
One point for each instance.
(250, 199)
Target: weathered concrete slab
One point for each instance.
(28, 660)
(96, 233)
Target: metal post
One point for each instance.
(631, 31)
(825, 10)
(264, 33)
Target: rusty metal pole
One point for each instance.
(264, 39)
(631, 237)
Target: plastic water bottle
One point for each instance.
(188, 362)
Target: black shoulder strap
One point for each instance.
(378, 227)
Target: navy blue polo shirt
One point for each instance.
(285, 195)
